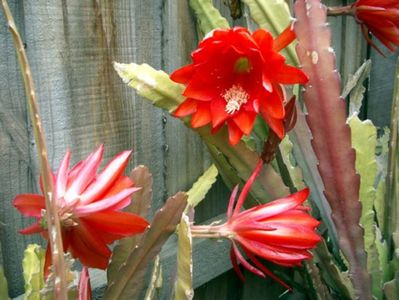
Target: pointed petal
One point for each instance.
(188, 107)
(272, 105)
(218, 112)
(34, 228)
(290, 75)
(84, 285)
(106, 203)
(233, 259)
(184, 74)
(265, 270)
(30, 205)
(284, 39)
(245, 121)
(202, 116)
(231, 202)
(275, 124)
(85, 176)
(88, 247)
(274, 208)
(198, 90)
(117, 222)
(62, 177)
(245, 264)
(119, 185)
(235, 133)
(247, 186)
(107, 177)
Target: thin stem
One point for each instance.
(336, 11)
(60, 289)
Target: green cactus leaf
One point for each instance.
(355, 89)
(336, 279)
(184, 279)
(3, 285)
(294, 171)
(364, 141)
(152, 84)
(208, 17)
(201, 187)
(141, 203)
(156, 280)
(273, 15)
(33, 264)
(127, 283)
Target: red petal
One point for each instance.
(119, 185)
(231, 202)
(85, 176)
(188, 107)
(233, 259)
(284, 39)
(276, 125)
(183, 75)
(106, 203)
(272, 105)
(29, 205)
(84, 285)
(235, 133)
(218, 111)
(34, 228)
(245, 121)
(198, 90)
(117, 222)
(273, 208)
(245, 264)
(290, 75)
(47, 262)
(202, 116)
(88, 247)
(62, 177)
(106, 178)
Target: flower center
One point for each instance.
(242, 65)
(235, 97)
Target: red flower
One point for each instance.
(89, 207)
(234, 76)
(381, 18)
(281, 231)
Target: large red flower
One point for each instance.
(234, 76)
(281, 231)
(381, 18)
(89, 207)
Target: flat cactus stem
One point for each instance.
(126, 284)
(331, 136)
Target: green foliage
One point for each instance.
(364, 141)
(184, 279)
(355, 89)
(156, 280)
(33, 264)
(141, 203)
(201, 187)
(3, 285)
(294, 171)
(151, 84)
(129, 279)
(273, 15)
(208, 17)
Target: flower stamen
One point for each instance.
(235, 97)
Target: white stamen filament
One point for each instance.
(235, 97)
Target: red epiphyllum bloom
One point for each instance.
(89, 207)
(234, 76)
(381, 18)
(281, 231)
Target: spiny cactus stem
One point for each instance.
(60, 289)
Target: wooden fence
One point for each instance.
(71, 45)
